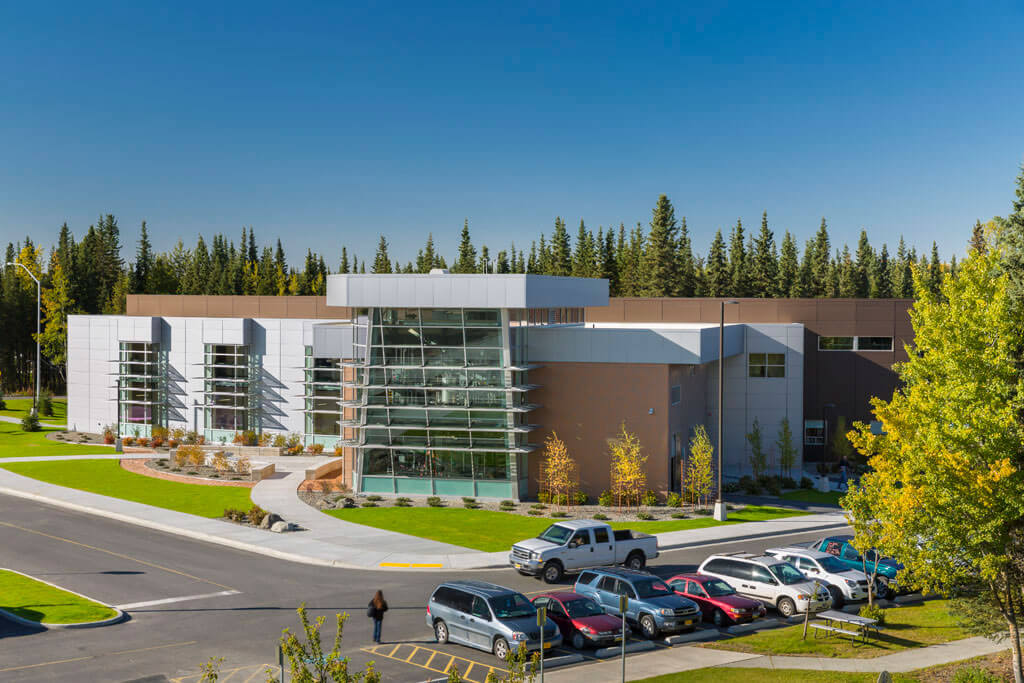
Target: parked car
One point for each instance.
(581, 620)
(768, 579)
(842, 582)
(488, 617)
(718, 601)
(580, 544)
(652, 605)
(886, 579)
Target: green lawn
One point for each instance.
(37, 601)
(492, 531)
(15, 443)
(739, 675)
(814, 497)
(905, 628)
(106, 477)
(20, 407)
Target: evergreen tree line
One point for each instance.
(89, 275)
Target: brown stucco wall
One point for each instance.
(216, 306)
(587, 402)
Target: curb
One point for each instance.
(117, 618)
(749, 537)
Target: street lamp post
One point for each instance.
(35, 402)
(720, 513)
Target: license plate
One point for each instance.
(687, 622)
(618, 639)
(547, 645)
(518, 566)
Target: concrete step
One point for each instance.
(695, 636)
(635, 646)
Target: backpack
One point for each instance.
(371, 611)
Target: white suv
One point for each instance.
(842, 582)
(768, 579)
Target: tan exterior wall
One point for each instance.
(585, 403)
(203, 306)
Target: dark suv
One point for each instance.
(652, 605)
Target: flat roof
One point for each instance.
(457, 290)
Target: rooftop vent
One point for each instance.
(440, 271)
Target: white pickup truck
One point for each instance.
(580, 544)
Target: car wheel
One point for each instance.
(552, 572)
(837, 596)
(719, 618)
(441, 632)
(882, 589)
(501, 649)
(636, 561)
(578, 641)
(787, 607)
(649, 627)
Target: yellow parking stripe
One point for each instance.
(433, 653)
(426, 565)
(392, 653)
(414, 651)
(399, 655)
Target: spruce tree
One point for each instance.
(279, 259)
(935, 270)
(686, 275)
(739, 276)
(143, 263)
(584, 258)
(532, 265)
(847, 275)
(466, 260)
(881, 278)
(609, 264)
(501, 264)
(485, 260)
(804, 282)
(717, 278)
(864, 267)
(381, 261)
(427, 259)
(821, 263)
(561, 251)
(344, 265)
(251, 255)
(977, 242)
(764, 266)
(1012, 241)
(789, 268)
(659, 262)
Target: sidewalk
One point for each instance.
(17, 420)
(332, 542)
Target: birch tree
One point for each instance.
(559, 472)
(699, 478)
(629, 468)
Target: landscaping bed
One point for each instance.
(41, 602)
(905, 628)
(206, 476)
(492, 529)
(107, 478)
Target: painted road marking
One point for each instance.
(167, 601)
(253, 670)
(411, 565)
(415, 655)
(122, 556)
(100, 656)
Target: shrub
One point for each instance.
(142, 441)
(580, 498)
(544, 497)
(197, 458)
(649, 499)
(280, 441)
(375, 498)
(646, 516)
(156, 442)
(175, 469)
(30, 423)
(678, 515)
(873, 612)
(435, 502)
(108, 434)
(220, 462)
(368, 504)
(508, 503)
(316, 449)
(173, 443)
(788, 483)
(325, 485)
(806, 483)
(600, 516)
(159, 433)
(974, 674)
(539, 506)
(702, 511)
(339, 450)
(234, 514)
(246, 438)
(749, 486)
(256, 515)
(178, 434)
(403, 502)
(605, 499)
(242, 465)
(293, 443)
(3, 403)
(214, 476)
(470, 504)
(468, 500)
(535, 513)
(674, 500)
(773, 489)
(128, 441)
(559, 513)
(192, 472)
(46, 404)
(731, 487)
(187, 454)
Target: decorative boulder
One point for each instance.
(269, 520)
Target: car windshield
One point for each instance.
(651, 588)
(582, 608)
(831, 564)
(717, 588)
(556, 534)
(511, 606)
(787, 574)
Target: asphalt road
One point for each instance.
(244, 601)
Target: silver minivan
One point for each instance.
(488, 617)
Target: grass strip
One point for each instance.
(14, 443)
(750, 675)
(41, 602)
(491, 531)
(20, 407)
(814, 497)
(107, 478)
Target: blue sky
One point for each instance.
(327, 124)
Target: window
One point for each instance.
(607, 584)
(874, 343)
(675, 395)
(835, 343)
(580, 539)
(480, 609)
(814, 432)
(694, 588)
(623, 588)
(767, 364)
(587, 577)
(760, 574)
(600, 536)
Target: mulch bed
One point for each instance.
(148, 468)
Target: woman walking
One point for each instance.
(375, 610)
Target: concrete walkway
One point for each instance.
(329, 541)
(688, 658)
(17, 420)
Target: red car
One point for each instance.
(581, 620)
(717, 599)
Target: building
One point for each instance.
(448, 384)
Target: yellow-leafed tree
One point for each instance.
(699, 477)
(559, 473)
(629, 468)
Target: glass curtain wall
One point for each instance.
(440, 403)
(230, 391)
(141, 403)
(323, 399)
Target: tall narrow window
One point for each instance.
(141, 390)
(231, 391)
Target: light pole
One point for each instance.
(35, 402)
(720, 512)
